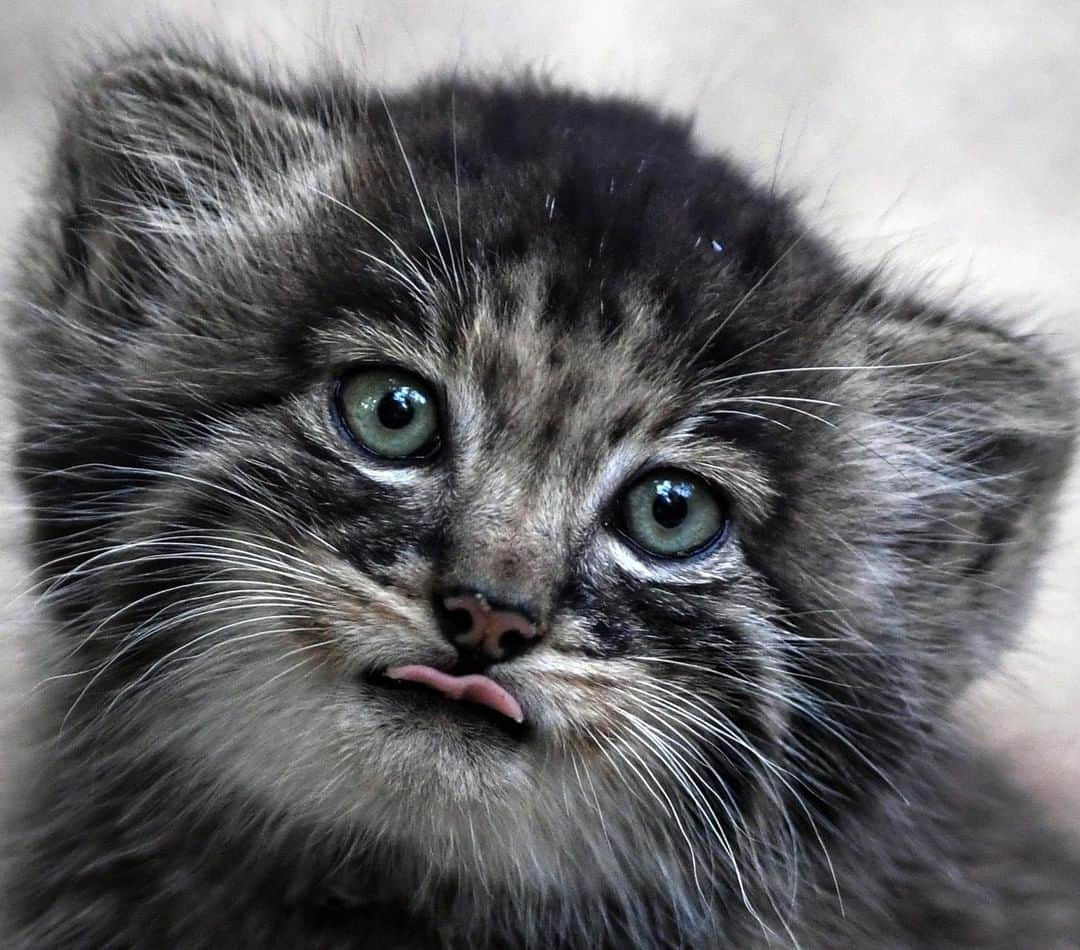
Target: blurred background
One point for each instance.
(939, 136)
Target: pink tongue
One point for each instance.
(473, 688)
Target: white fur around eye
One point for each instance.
(393, 476)
(612, 552)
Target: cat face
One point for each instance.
(372, 430)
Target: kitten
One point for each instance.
(477, 518)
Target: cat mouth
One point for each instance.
(475, 695)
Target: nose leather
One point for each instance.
(494, 631)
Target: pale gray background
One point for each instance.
(942, 136)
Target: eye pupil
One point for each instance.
(669, 507)
(395, 409)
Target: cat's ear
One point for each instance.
(980, 388)
(153, 146)
(982, 426)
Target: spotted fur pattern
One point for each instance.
(751, 747)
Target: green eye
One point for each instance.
(390, 412)
(672, 514)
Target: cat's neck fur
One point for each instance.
(940, 860)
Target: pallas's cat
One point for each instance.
(478, 517)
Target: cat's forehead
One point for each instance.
(516, 350)
(561, 396)
(517, 367)
(571, 280)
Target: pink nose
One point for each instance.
(481, 627)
